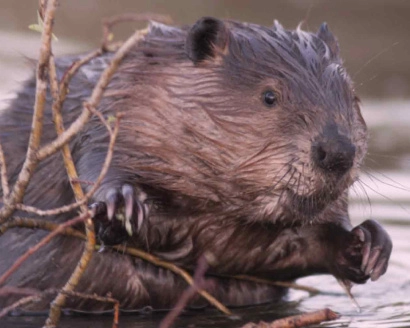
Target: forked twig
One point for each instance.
(64, 209)
(42, 224)
(188, 294)
(90, 105)
(109, 22)
(40, 244)
(31, 161)
(36, 296)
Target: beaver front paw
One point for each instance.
(366, 254)
(120, 216)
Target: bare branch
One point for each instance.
(31, 223)
(113, 137)
(68, 75)
(79, 123)
(65, 137)
(11, 290)
(35, 296)
(42, 224)
(40, 244)
(301, 320)
(3, 173)
(286, 284)
(93, 102)
(109, 22)
(188, 294)
(17, 193)
(177, 270)
(22, 301)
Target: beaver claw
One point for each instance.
(120, 215)
(368, 252)
(377, 247)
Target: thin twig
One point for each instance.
(286, 284)
(109, 22)
(40, 244)
(22, 222)
(3, 173)
(69, 286)
(92, 104)
(47, 225)
(65, 137)
(80, 122)
(42, 224)
(19, 188)
(11, 290)
(35, 296)
(188, 294)
(174, 268)
(296, 321)
(95, 185)
(22, 301)
(68, 75)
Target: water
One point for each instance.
(383, 193)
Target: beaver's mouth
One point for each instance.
(312, 205)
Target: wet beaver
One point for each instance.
(239, 141)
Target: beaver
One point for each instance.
(238, 140)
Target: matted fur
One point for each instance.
(223, 173)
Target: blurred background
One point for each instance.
(374, 37)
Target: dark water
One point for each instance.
(383, 194)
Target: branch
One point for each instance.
(35, 296)
(188, 294)
(177, 270)
(22, 301)
(79, 123)
(68, 75)
(65, 137)
(10, 290)
(3, 173)
(42, 224)
(30, 163)
(40, 244)
(108, 23)
(310, 290)
(301, 320)
(92, 104)
(67, 208)
(21, 222)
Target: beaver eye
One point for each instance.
(269, 98)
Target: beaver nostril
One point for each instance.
(334, 156)
(321, 154)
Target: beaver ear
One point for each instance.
(327, 37)
(206, 38)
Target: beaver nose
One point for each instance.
(335, 155)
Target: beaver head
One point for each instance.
(241, 118)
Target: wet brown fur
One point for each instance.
(224, 174)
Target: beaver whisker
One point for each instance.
(251, 160)
(286, 187)
(359, 185)
(220, 120)
(384, 196)
(394, 183)
(289, 165)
